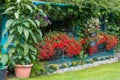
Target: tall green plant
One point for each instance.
(24, 32)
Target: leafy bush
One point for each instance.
(52, 68)
(75, 63)
(64, 65)
(38, 69)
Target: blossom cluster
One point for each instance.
(93, 25)
(109, 40)
(51, 42)
(60, 41)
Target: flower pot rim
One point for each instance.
(28, 65)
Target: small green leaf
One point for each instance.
(26, 24)
(37, 22)
(32, 22)
(20, 29)
(9, 23)
(33, 57)
(16, 15)
(16, 42)
(22, 62)
(12, 30)
(12, 60)
(26, 49)
(18, 1)
(16, 22)
(12, 50)
(41, 12)
(29, 7)
(27, 59)
(33, 37)
(4, 32)
(32, 48)
(10, 8)
(26, 33)
(10, 39)
(20, 57)
(4, 59)
(40, 33)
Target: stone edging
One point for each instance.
(80, 67)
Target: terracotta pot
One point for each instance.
(23, 71)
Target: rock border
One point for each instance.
(89, 65)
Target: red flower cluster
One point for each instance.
(109, 40)
(73, 48)
(84, 41)
(46, 51)
(58, 41)
(70, 46)
(92, 49)
(101, 38)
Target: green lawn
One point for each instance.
(103, 72)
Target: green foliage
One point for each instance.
(80, 12)
(82, 56)
(107, 57)
(38, 69)
(102, 59)
(64, 65)
(95, 59)
(75, 63)
(3, 59)
(24, 32)
(52, 67)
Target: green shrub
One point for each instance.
(107, 57)
(88, 61)
(95, 59)
(75, 63)
(52, 67)
(38, 69)
(64, 65)
(102, 59)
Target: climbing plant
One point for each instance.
(78, 12)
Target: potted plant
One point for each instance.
(24, 33)
(3, 67)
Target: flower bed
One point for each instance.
(48, 68)
(58, 46)
(58, 41)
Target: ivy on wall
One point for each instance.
(76, 16)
